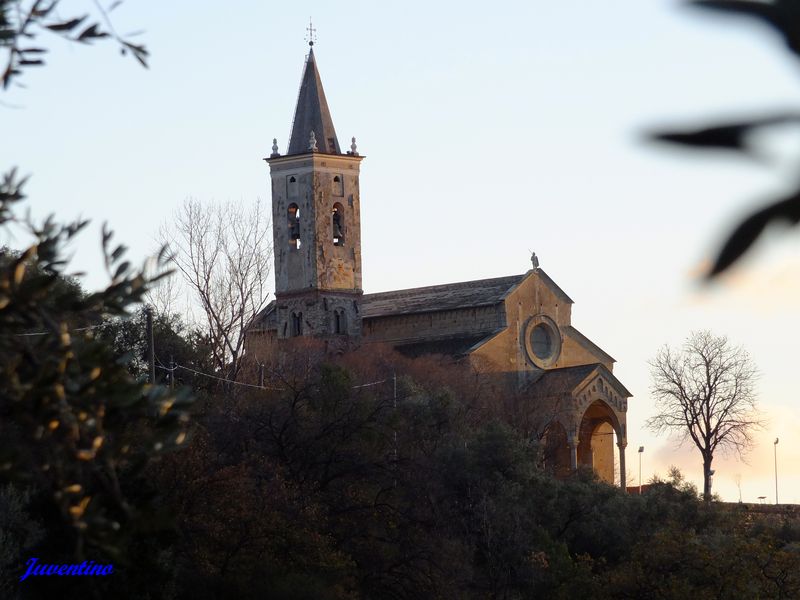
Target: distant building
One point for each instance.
(518, 327)
(639, 489)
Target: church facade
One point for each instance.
(517, 328)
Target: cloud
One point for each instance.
(755, 474)
(770, 286)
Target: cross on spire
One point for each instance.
(311, 36)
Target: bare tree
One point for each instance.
(163, 296)
(706, 391)
(224, 254)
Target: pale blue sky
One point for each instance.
(489, 130)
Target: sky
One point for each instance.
(490, 130)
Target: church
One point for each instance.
(518, 327)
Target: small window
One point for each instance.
(542, 341)
(293, 217)
(337, 224)
(297, 324)
(291, 186)
(338, 185)
(339, 322)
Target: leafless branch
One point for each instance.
(706, 392)
(223, 253)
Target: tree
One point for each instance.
(21, 23)
(77, 429)
(127, 337)
(224, 254)
(706, 391)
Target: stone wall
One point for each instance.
(317, 262)
(433, 325)
(318, 310)
(317, 278)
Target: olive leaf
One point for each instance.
(748, 231)
(729, 136)
(782, 15)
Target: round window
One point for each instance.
(542, 341)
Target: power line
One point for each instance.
(161, 365)
(369, 384)
(176, 366)
(250, 385)
(35, 333)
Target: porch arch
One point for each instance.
(597, 429)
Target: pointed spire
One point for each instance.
(312, 114)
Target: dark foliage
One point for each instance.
(76, 427)
(319, 488)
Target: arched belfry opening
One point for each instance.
(337, 224)
(293, 216)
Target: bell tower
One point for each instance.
(316, 222)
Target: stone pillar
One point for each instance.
(622, 478)
(572, 441)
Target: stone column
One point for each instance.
(622, 479)
(573, 451)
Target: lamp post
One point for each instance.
(641, 451)
(775, 446)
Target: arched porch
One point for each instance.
(599, 430)
(589, 418)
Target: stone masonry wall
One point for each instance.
(425, 326)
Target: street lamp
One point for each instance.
(641, 451)
(775, 446)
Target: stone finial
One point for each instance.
(312, 142)
(354, 148)
(534, 260)
(274, 148)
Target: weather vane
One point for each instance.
(311, 36)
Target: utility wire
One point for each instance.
(177, 366)
(250, 385)
(35, 333)
(161, 365)
(369, 384)
(259, 387)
